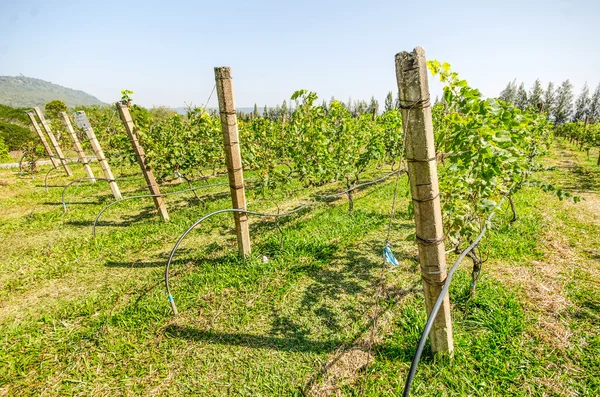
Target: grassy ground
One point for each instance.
(84, 316)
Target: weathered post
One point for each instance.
(78, 148)
(413, 95)
(131, 129)
(84, 124)
(233, 156)
(53, 140)
(37, 129)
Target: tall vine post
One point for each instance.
(99, 153)
(132, 133)
(233, 156)
(414, 101)
(38, 130)
(53, 140)
(77, 146)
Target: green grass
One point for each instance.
(90, 317)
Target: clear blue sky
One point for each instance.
(165, 51)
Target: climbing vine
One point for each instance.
(489, 148)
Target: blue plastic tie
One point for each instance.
(389, 256)
(170, 298)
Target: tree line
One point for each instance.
(559, 102)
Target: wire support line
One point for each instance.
(209, 97)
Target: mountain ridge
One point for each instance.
(22, 91)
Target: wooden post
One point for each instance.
(37, 129)
(53, 140)
(78, 148)
(233, 156)
(131, 129)
(89, 131)
(413, 97)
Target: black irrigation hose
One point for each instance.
(438, 304)
(46, 178)
(150, 195)
(318, 199)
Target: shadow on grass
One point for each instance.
(290, 336)
(587, 310)
(127, 219)
(136, 265)
(585, 180)
(354, 272)
(59, 204)
(294, 341)
(49, 186)
(160, 261)
(593, 255)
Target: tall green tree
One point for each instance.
(265, 112)
(509, 93)
(549, 99)
(594, 109)
(536, 95)
(53, 108)
(521, 101)
(276, 113)
(360, 108)
(389, 102)
(373, 106)
(324, 106)
(563, 108)
(284, 109)
(581, 104)
(349, 105)
(255, 111)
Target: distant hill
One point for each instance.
(20, 91)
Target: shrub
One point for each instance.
(15, 136)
